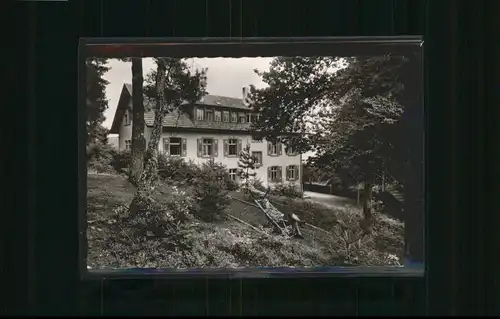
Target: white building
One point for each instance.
(217, 128)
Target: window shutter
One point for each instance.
(226, 147)
(269, 174)
(280, 174)
(286, 173)
(199, 147)
(280, 147)
(269, 148)
(184, 147)
(166, 146)
(216, 147)
(239, 146)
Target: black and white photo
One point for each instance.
(219, 162)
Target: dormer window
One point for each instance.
(200, 114)
(127, 118)
(210, 115)
(217, 116)
(242, 118)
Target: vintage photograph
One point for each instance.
(245, 162)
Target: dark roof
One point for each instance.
(212, 100)
(181, 119)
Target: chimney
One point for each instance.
(244, 93)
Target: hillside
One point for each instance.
(240, 240)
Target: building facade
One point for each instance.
(216, 128)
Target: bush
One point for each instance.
(258, 185)
(177, 168)
(287, 190)
(121, 161)
(101, 158)
(211, 188)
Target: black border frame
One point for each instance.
(248, 47)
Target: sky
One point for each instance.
(225, 76)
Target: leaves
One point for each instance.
(246, 164)
(96, 99)
(181, 83)
(348, 110)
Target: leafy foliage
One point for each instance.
(96, 99)
(357, 104)
(121, 161)
(246, 164)
(182, 84)
(100, 159)
(174, 237)
(211, 188)
(177, 169)
(362, 140)
(170, 85)
(286, 189)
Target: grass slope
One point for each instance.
(229, 243)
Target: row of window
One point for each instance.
(274, 173)
(217, 116)
(225, 116)
(208, 147)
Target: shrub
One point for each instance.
(177, 168)
(286, 189)
(121, 161)
(211, 187)
(258, 185)
(101, 158)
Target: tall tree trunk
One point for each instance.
(367, 200)
(148, 178)
(138, 139)
(367, 223)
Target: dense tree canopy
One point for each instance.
(349, 108)
(167, 87)
(96, 99)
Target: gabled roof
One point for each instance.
(180, 118)
(211, 100)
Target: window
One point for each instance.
(274, 149)
(257, 117)
(233, 173)
(249, 118)
(292, 173)
(232, 147)
(208, 144)
(232, 144)
(128, 144)
(274, 174)
(174, 146)
(234, 117)
(290, 151)
(242, 118)
(127, 118)
(226, 116)
(210, 115)
(200, 114)
(207, 147)
(217, 116)
(257, 158)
